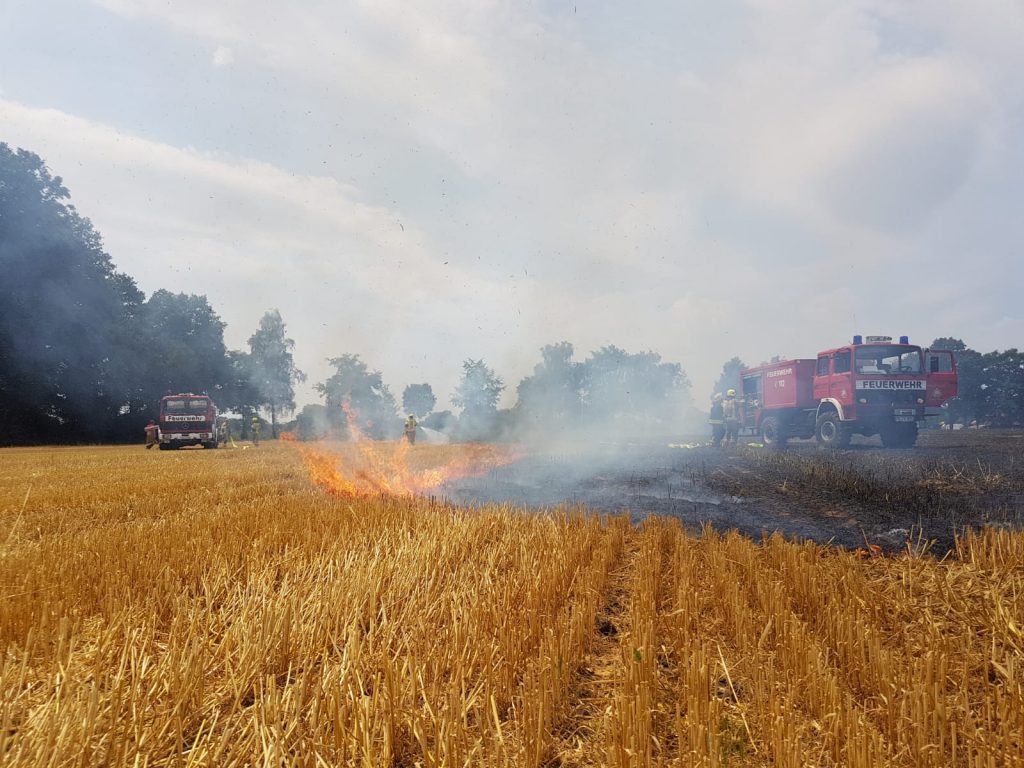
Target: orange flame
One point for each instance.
(368, 468)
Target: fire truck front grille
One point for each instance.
(894, 398)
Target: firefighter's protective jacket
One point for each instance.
(717, 415)
(731, 409)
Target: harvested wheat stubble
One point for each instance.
(219, 608)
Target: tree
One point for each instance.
(730, 378)
(477, 395)
(69, 357)
(1002, 400)
(238, 392)
(273, 368)
(948, 342)
(184, 342)
(364, 393)
(551, 398)
(418, 399)
(633, 392)
(313, 422)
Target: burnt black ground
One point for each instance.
(863, 494)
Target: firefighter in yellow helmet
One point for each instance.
(731, 414)
(224, 432)
(254, 429)
(410, 429)
(716, 418)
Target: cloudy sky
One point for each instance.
(424, 182)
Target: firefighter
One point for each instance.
(152, 434)
(731, 413)
(410, 429)
(224, 433)
(255, 429)
(717, 420)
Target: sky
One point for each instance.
(425, 182)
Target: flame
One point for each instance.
(366, 467)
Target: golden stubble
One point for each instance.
(219, 608)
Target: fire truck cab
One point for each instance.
(187, 419)
(869, 387)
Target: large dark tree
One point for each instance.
(1002, 399)
(184, 342)
(273, 368)
(364, 393)
(477, 395)
(239, 392)
(68, 356)
(418, 399)
(633, 392)
(551, 398)
(83, 357)
(313, 422)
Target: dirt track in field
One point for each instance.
(863, 494)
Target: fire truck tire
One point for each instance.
(899, 436)
(831, 431)
(773, 432)
(164, 446)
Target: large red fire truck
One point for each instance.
(187, 419)
(869, 387)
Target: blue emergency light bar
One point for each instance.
(904, 339)
(858, 339)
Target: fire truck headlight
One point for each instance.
(863, 401)
(920, 401)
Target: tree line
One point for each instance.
(85, 355)
(611, 391)
(990, 385)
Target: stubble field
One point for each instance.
(230, 608)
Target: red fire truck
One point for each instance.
(869, 387)
(187, 419)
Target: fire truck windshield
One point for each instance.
(888, 360)
(182, 405)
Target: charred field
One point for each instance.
(863, 495)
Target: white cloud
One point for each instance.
(818, 169)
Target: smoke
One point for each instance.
(611, 396)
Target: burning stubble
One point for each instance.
(365, 467)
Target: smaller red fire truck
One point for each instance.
(187, 419)
(869, 387)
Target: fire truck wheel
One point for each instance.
(773, 433)
(899, 436)
(831, 431)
